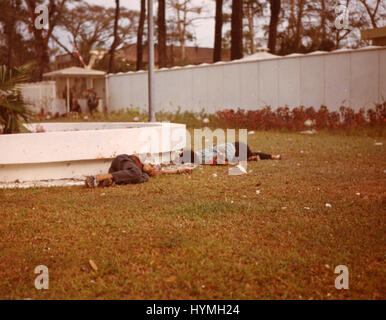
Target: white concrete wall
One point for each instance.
(42, 95)
(75, 150)
(352, 78)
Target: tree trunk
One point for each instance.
(275, 12)
(218, 32)
(140, 35)
(299, 25)
(251, 26)
(323, 23)
(162, 59)
(9, 30)
(237, 30)
(181, 29)
(41, 43)
(116, 40)
(371, 14)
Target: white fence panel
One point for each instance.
(215, 87)
(268, 83)
(41, 95)
(232, 87)
(185, 89)
(249, 85)
(382, 75)
(337, 90)
(352, 78)
(177, 95)
(289, 82)
(364, 79)
(312, 75)
(200, 89)
(162, 98)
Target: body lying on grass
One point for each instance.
(225, 154)
(128, 169)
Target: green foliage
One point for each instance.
(12, 107)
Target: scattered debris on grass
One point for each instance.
(93, 265)
(171, 279)
(242, 169)
(309, 123)
(328, 205)
(312, 131)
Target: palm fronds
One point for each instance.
(13, 109)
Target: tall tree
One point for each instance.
(275, 11)
(161, 22)
(218, 31)
(299, 24)
(16, 46)
(42, 36)
(10, 11)
(237, 30)
(185, 12)
(92, 27)
(253, 12)
(116, 37)
(141, 27)
(373, 10)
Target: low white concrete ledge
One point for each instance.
(74, 150)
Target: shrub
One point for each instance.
(297, 118)
(12, 107)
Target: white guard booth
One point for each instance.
(72, 83)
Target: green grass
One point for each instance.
(205, 237)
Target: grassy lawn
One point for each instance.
(210, 237)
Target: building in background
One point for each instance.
(376, 35)
(193, 55)
(67, 60)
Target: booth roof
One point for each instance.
(75, 72)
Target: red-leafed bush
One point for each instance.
(301, 118)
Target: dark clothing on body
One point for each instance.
(262, 156)
(127, 169)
